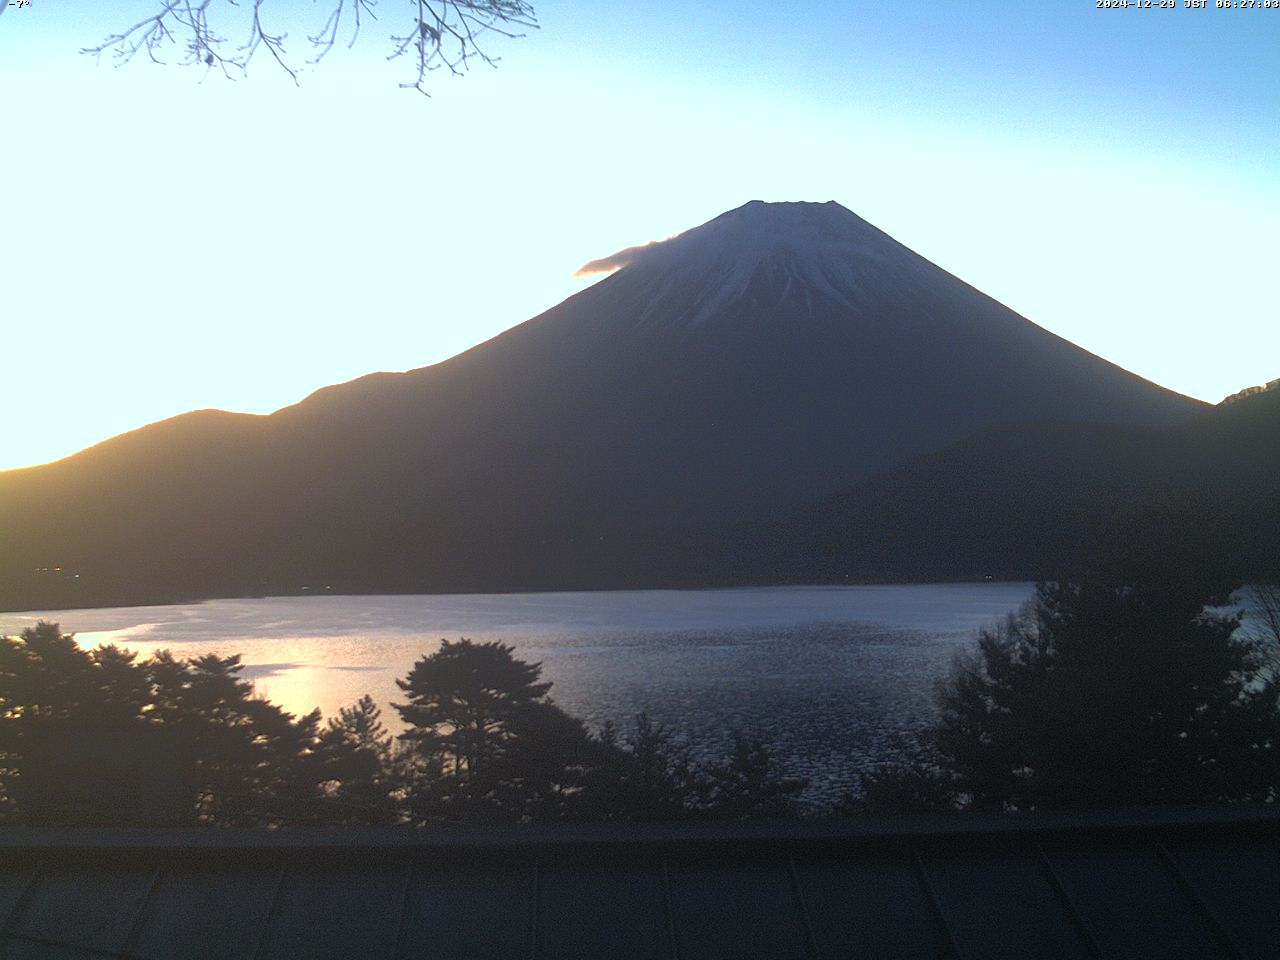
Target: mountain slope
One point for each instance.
(1031, 500)
(773, 355)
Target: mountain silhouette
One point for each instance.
(1035, 500)
(772, 356)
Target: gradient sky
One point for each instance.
(1113, 175)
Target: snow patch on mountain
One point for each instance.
(799, 251)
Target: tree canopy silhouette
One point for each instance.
(462, 702)
(491, 745)
(647, 774)
(487, 739)
(98, 737)
(360, 772)
(1099, 692)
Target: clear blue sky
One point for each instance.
(1113, 175)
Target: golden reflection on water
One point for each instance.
(299, 673)
(825, 676)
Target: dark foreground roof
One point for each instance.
(1167, 885)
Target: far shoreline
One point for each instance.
(531, 591)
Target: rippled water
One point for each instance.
(825, 676)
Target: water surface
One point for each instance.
(826, 676)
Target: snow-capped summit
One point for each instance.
(780, 254)
(754, 232)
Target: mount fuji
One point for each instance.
(772, 356)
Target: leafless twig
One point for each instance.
(1263, 621)
(325, 39)
(446, 34)
(443, 33)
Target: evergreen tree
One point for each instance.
(358, 768)
(248, 762)
(96, 737)
(646, 775)
(749, 786)
(487, 741)
(1101, 693)
(74, 746)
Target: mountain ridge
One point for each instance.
(607, 441)
(1032, 500)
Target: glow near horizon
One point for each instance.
(1111, 175)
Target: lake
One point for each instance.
(825, 676)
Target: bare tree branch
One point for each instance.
(442, 34)
(325, 39)
(445, 34)
(1263, 624)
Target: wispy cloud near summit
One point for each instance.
(615, 261)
